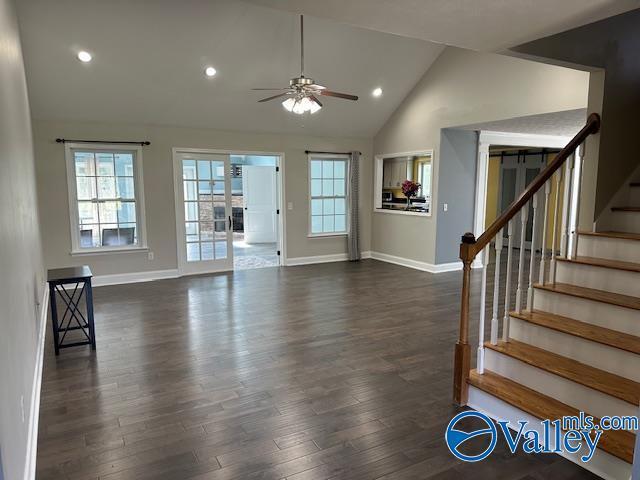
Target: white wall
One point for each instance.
(158, 188)
(20, 253)
(463, 87)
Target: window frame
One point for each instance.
(325, 156)
(74, 217)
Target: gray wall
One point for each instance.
(159, 195)
(457, 187)
(20, 258)
(463, 87)
(611, 44)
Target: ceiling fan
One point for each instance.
(302, 92)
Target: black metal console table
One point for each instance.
(78, 280)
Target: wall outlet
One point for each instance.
(289, 205)
(151, 255)
(445, 206)
(22, 407)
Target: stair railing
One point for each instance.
(570, 157)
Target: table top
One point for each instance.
(69, 274)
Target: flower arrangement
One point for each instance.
(410, 189)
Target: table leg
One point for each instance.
(89, 299)
(54, 317)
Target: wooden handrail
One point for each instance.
(592, 126)
(470, 248)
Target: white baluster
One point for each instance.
(483, 293)
(543, 248)
(566, 206)
(532, 262)
(507, 291)
(576, 198)
(524, 215)
(496, 289)
(552, 266)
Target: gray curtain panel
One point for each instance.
(353, 239)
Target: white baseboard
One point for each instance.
(134, 277)
(338, 257)
(417, 265)
(34, 407)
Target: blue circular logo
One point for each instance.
(455, 438)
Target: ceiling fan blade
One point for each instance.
(270, 88)
(274, 97)
(346, 96)
(315, 99)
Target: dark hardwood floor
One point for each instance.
(327, 371)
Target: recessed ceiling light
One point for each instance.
(210, 71)
(377, 92)
(84, 56)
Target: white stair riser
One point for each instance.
(608, 279)
(602, 464)
(622, 319)
(626, 221)
(573, 394)
(604, 357)
(609, 248)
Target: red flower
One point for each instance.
(410, 188)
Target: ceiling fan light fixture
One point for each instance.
(300, 105)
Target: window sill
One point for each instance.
(401, 212)
(326, 235)
(108, 251)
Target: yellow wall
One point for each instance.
(493, 183)
(397, 192)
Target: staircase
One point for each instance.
(571, 341)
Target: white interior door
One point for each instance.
(203, 212)
(260, 204)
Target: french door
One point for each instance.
(203, 212)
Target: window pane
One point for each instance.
(338, 188)
(109, 235)
(189, 169)
(206, 231)
(106, 188)
(316, 224)
(316, 169)
(86, 188)
(87, 212)
(340, 208)
(124, 164)
(125, 187)
(327, 169)
(316, 207)
(327, 206)
(89, 236)
(327, 188)
(316, 188)
(127, 232)
(108, 212)
(127, 212)
(105, 164)
(328, 224)
(190, 191)
(339, 169)
(204, 188)
(206, 250)
(221, 250)
(84, 164)
(204, 171)
(191, 211)
(340, 223)
(193, 252)
(191, 230)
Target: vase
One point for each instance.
(408, 207)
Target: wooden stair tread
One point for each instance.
(625, 209)
(588, 331)
(617, 443)
(621, 235)
(602, 262)
(592, 294)
(600, 380)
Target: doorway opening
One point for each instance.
(228, 210)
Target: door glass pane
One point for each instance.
(189, 169)
(204, 170)
(190, 191)
(191, 211)
(219, 210)
(193, 252)
(206, 249)
(206, 231)
(191, 231)
(204, 189)
(221, 250)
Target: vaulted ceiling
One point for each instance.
(149, 58)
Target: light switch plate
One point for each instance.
(289, 205)
(445, 206)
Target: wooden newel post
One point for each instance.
(462, 365)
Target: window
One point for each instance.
(328, 195)
(105, 198)
(424, 179)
